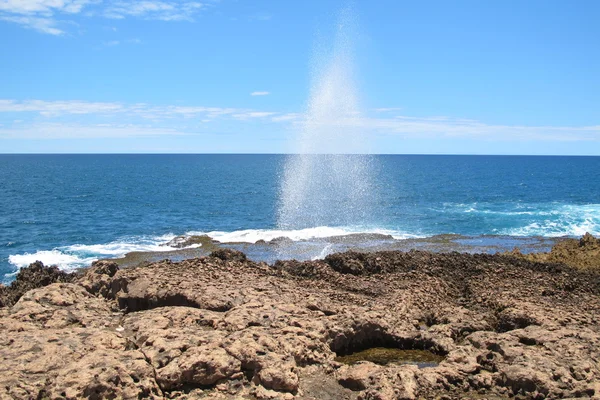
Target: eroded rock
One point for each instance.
(33, 276)
(225, 327)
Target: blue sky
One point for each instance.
(460, 77)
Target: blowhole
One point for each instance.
(372, 343)
(386, 355)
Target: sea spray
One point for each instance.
(329, 181)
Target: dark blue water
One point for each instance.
(72, 209)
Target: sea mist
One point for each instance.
(328, 181)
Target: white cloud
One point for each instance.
(259, 93)
(215, 111)
(55, 108)
(387, 109)
(447, 127)
(112, 43)
(154, 9)
(40, 14)
(253, 114)
(83, 131)
(59, 108)
(153, 117)
(286, 117)
(43, 7)
(46, 16)
(43, 25)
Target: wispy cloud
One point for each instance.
(448, 127)
(146, 111)
(50, 130)
(106, 119)
(259, 93)
(40, 14)
(153, 9)
(55, 108)
(50, 16)
(43, 7)
(387, 109)
(40, 24)
(286, 117)
(112, 43)
(253, 114)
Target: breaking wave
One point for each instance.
(533, 219)
(75, 256)
(321, 232)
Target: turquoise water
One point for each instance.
(72, 209)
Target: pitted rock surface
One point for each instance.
(224, 327)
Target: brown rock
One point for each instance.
(583, 253)
(97, 278)
(199, 366)
(357, 377)
(281, 378)
(33, 276)
(59, 341)
(225, 327)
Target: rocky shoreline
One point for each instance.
(223, 327)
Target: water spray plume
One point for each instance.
(329, 181)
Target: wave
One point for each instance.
(321, 232)
(506, 219)
(550, 228)
(533, 219)
(75, 256)
(64, 261)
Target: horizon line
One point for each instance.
(315, 154)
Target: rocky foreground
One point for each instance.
(223, 327)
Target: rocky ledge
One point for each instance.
(223, 327)
(581, 253)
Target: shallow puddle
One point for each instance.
(384, 356)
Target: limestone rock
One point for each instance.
(97, 278)
(60, 341)
(224, 327)
(33, 276)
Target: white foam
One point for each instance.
(511, 209)
(254, 235)
(114, 249)
(562, 220)
(51, 257)
(80, 255)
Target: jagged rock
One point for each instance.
(180, 242)
(281, 240)
(357, 377)
(224, 327)
(228, 255)
(59, 341)
(199, 366)
(278, 378)
(33, 276)
(583, 253)
(97, 278)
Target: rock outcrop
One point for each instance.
(180, 242)
(224, 327)
(36, 275)
(581, 253)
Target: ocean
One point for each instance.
(70, 210)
